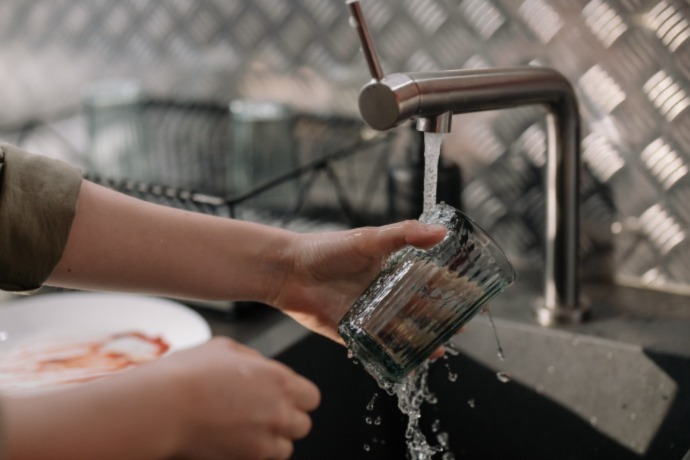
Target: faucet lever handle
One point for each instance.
(357, 21)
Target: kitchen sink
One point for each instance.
(615, 387)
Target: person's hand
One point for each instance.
(330, 270)
(220, 400)
(234, 403)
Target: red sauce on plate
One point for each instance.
(48, 365)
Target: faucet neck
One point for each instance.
(433, 97)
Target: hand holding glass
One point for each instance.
(423, 297)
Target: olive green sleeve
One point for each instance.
(38, 199)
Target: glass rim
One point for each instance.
(497, 252)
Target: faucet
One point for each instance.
(432, 98)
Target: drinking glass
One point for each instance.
(117, 130)
(263, 148)
(423, 297)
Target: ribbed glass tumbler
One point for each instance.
(423, 297)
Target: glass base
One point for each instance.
(373, 357)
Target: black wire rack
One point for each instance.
(340, 172)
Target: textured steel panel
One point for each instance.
(629, 61)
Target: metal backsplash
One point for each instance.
(629, 61)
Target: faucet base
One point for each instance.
(558, 316)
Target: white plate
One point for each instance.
(53, 340)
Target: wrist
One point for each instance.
(274, 259)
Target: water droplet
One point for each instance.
(452, 376)
(4, 336)
(448, 456)
(551, 369)
(436, 425)
(377, 421)
(503, 376)
(593, 420)
(471, 403)
(451, 350)
(540, 388)
(633, 416)
(367, 447)
(442, 440)
(243, 370)
(350, 353)
(499, 353)
(370, 406)
(369, 420)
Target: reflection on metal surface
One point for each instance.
(628, 60)
(601, 89)
(544, 21)
(664, 163)
(604, 22)
(667, 95)
(669, 24)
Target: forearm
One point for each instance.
(121, 243)
(112, 418)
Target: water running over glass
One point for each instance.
(419, 301)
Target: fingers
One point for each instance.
(282, 449)
(298, 426)
(306, 395)
(391, 238)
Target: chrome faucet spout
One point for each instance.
(433, 97)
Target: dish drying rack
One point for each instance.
(339, 173)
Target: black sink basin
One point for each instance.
(487, 418)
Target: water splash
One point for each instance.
(503, 376)
(451, 349)
(411, 393)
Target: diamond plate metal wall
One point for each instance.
(629, 61)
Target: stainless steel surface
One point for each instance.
(628, 60)
(357, 20)
(388, 102)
